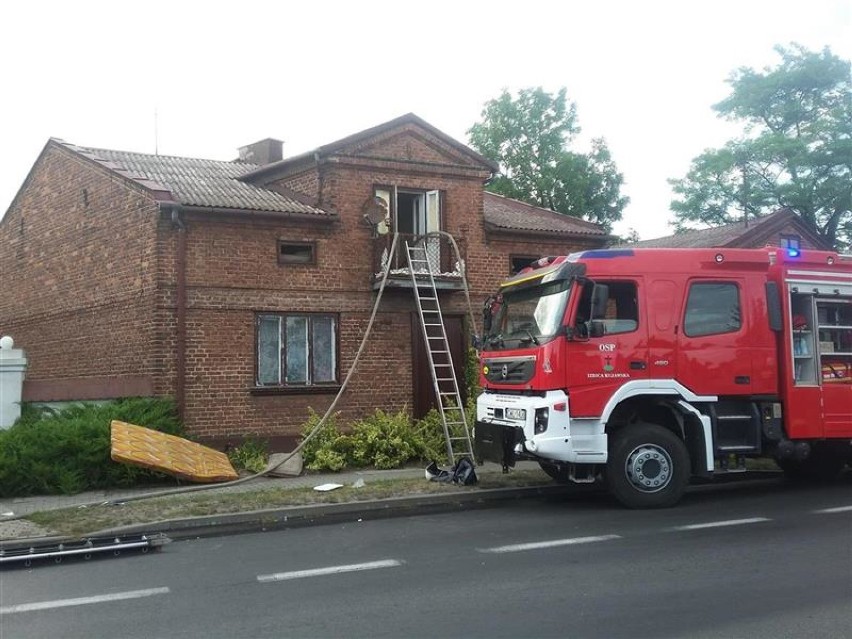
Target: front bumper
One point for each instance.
(500, 438)
(497, 442)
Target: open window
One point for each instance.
(415, 213)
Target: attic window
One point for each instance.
(791, 243)
(296, 252)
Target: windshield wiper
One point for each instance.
(532, 337)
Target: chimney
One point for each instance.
(264, 152)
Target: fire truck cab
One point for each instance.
(650, 366)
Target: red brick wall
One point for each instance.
(79, 263)
(99, 296)
(306, 183)
(233, 273)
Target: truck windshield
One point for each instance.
(529, 315)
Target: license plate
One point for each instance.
(516, 413)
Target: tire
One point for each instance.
(559, 475)
(648, 466)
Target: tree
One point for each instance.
(529, 137)
(795, 151)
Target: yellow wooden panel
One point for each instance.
(169, 454)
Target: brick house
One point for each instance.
(243, 288)
(780, 228)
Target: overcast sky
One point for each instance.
(221, 75)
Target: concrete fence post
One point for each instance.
(13, 368)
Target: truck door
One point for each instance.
(664, 303)
(713, 355)
(617, 348)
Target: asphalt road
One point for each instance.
(756, 560)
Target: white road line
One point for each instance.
(720, 524)
(331, 570)
(82, 601)
(553, 543)
(839, 509)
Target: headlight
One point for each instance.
(541, 417)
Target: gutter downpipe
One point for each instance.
(180, 311)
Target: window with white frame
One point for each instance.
(296, 350)
(414, 213)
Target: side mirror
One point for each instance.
(597, 328)
(773, 307)
(578, 333)
(600, 298)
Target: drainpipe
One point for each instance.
(180, 311)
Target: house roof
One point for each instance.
(196, 182)
(505, 214)
(340, 145)
(756, 233)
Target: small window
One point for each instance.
(296, 350)
(712, 308)
(296, 252)
(793, 244)
(517, 263)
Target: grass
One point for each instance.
(78, 521)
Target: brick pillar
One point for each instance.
(13, 367)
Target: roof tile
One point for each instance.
(513, 215)
(197, 182)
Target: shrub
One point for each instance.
(329, 448)
(66, 451)
(382, 440)
(431, 431)
(386, 440)
(252, 455)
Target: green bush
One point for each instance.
(386, 440)
(381, 440)
(67, 451)
(329, 449)
(252, 455)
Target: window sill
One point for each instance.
(294, 390)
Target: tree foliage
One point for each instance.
(529, 136)
(795, 151)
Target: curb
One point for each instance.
(325, 514)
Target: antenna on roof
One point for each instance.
(156, 134)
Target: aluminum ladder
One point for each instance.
(450, 405)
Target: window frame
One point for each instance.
(697, 283)
(282, 386)
(609, 325)
(517, 257)
(791, 242)
(301, 244)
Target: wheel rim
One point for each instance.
(648, 468)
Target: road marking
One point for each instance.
(553, 543)
(331, 570)
(720, 524)
(839, 509)
(82, 601)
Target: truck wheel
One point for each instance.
(648, 466)
(560, 475)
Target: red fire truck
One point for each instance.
(652, 366)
